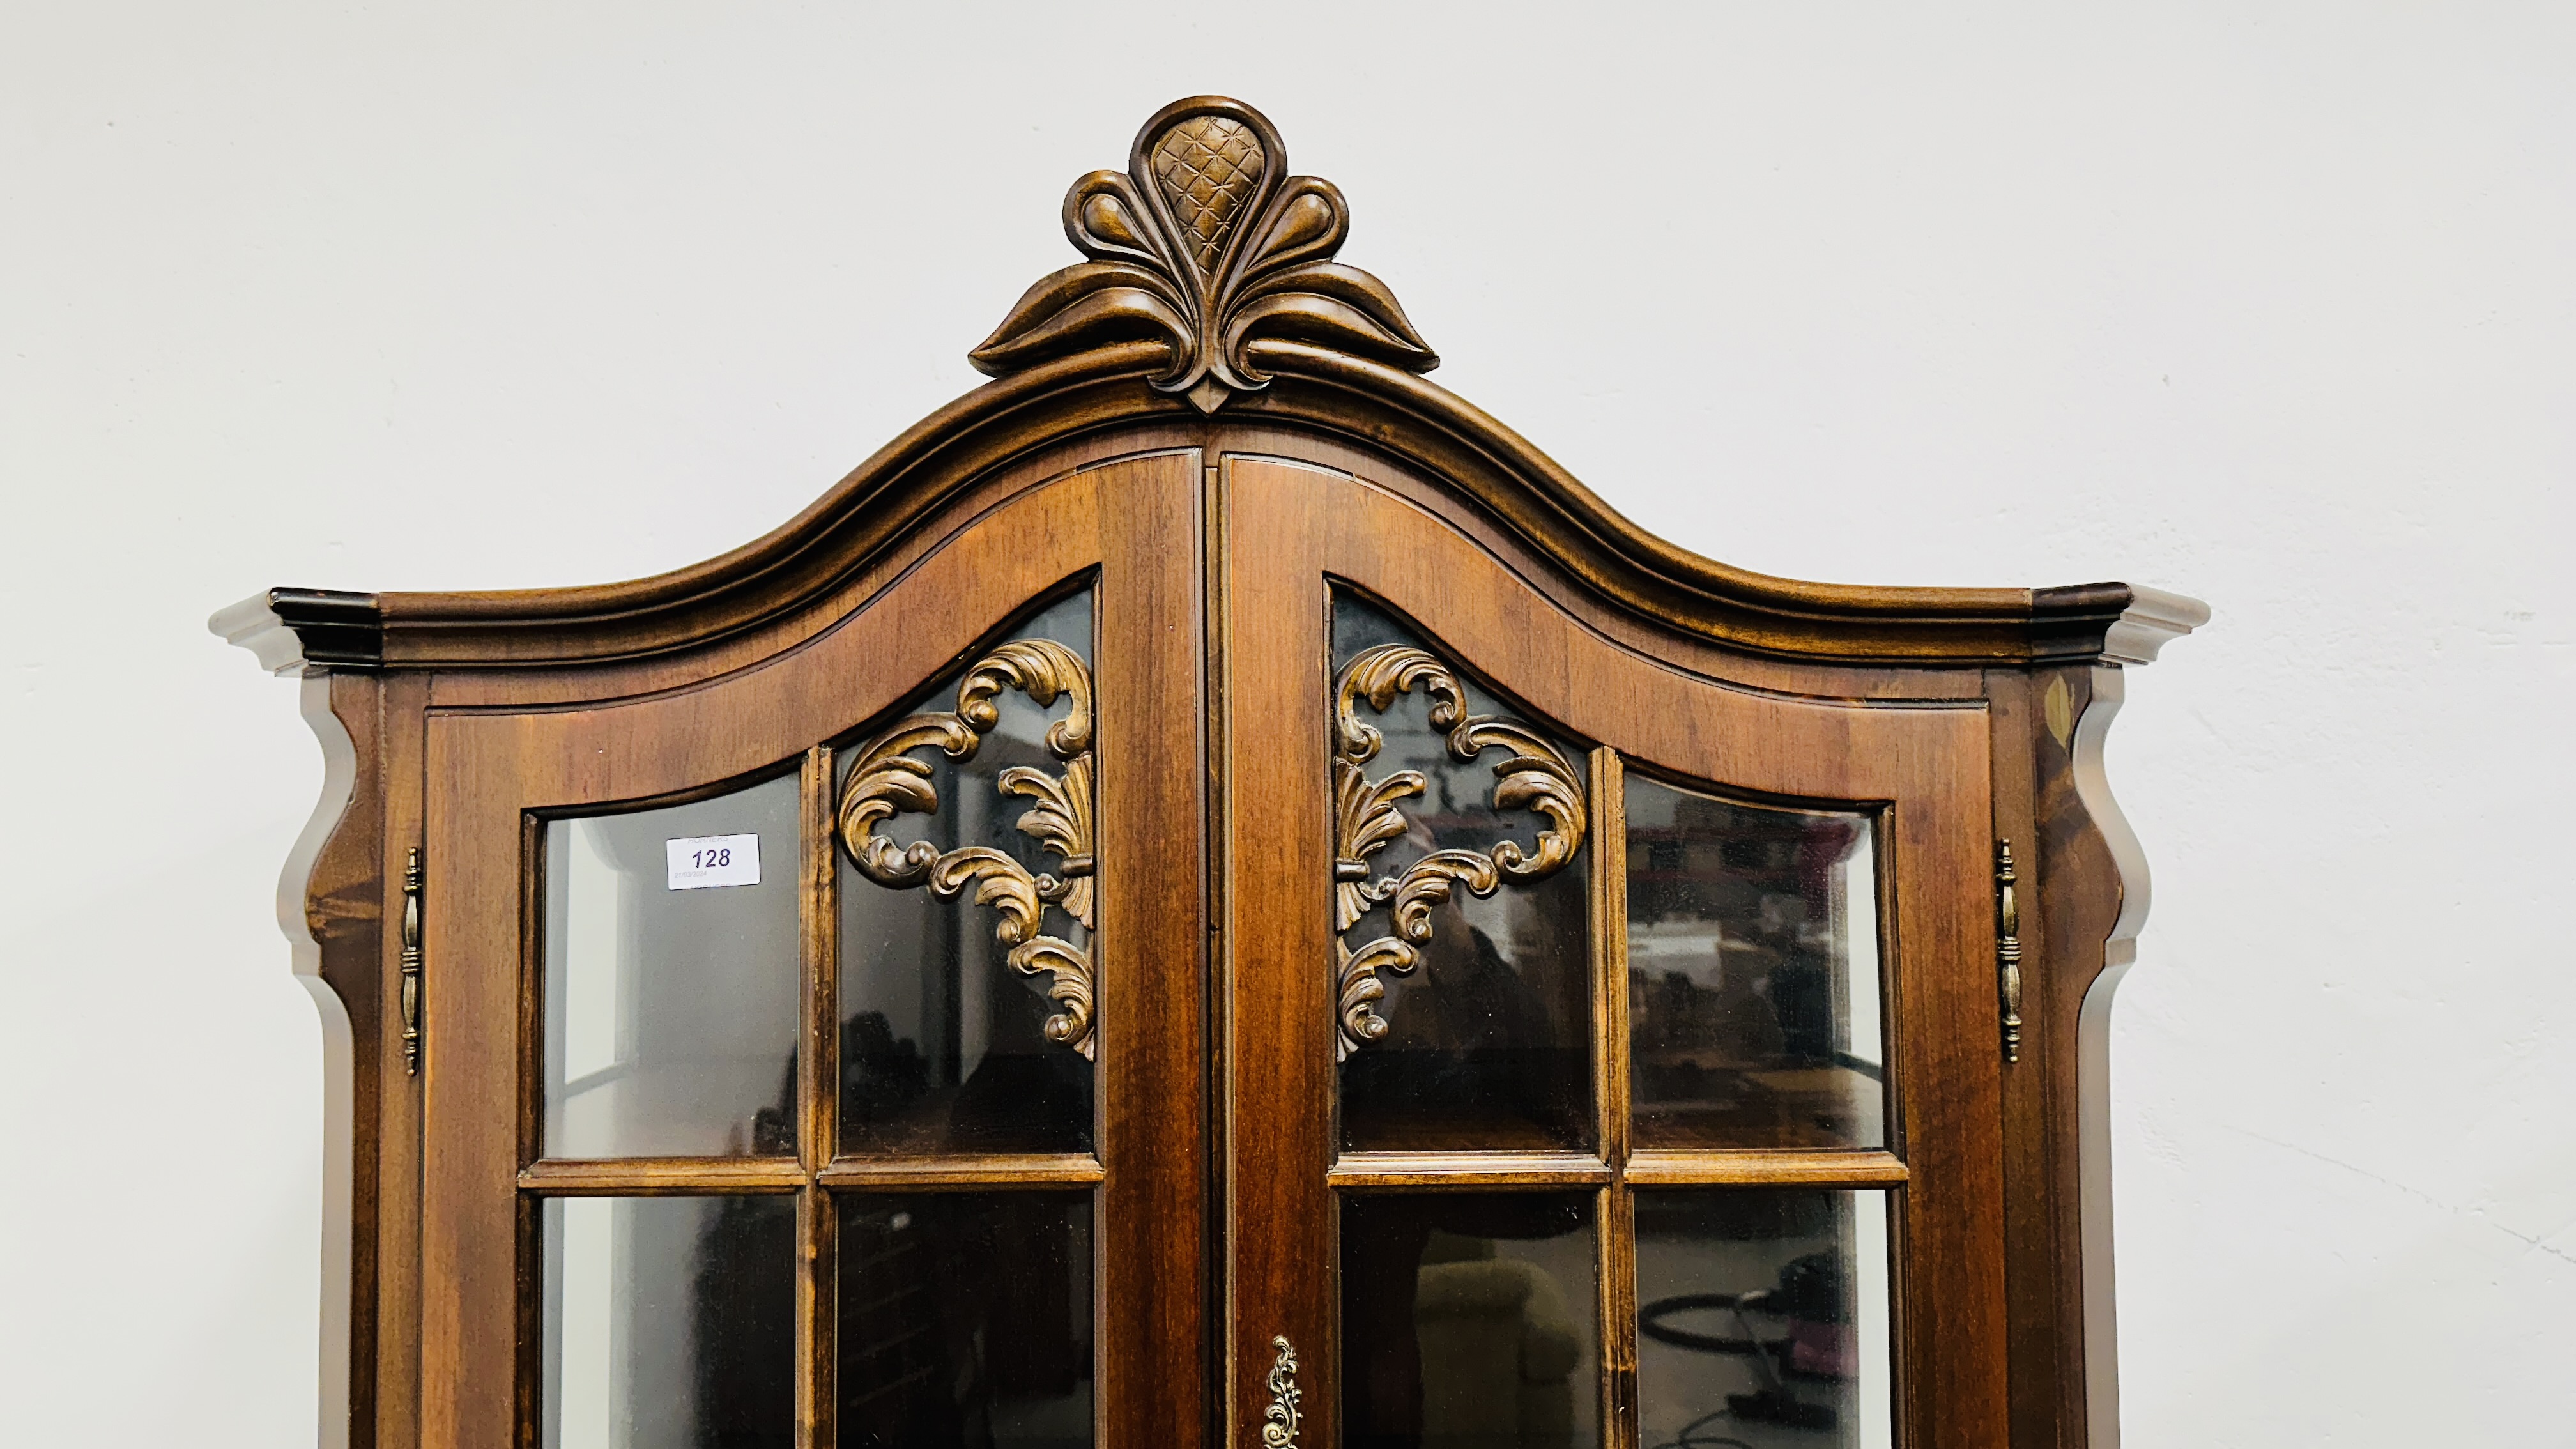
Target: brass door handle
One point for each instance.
(2008, 950)
(411, 964)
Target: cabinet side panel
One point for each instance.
(329, 906)
(2072, 888)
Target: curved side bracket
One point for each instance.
(339, 1050)
(2093, 1058)
(2152, 618)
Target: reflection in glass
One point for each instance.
(1762, 1319)
(1468, 1320)
(943, 1046)
(671, 985)
(670, 1323)
(965, 1319)
(1753, 980)
(1488, 1038)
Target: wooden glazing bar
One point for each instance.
(1763, 1168)
(1617, 1222)
(661, 1176)
(1611, 1081)
(1068, 1169)
(1468, 1169)
(818, 1062)
(528, 1328)
(815, 1320)
(818, 1114)
(531, 1003)
(1610, 950)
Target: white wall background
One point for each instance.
(2270, 304)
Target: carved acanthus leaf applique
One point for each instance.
(1205, 243)
(1533, 775)
(888, 781)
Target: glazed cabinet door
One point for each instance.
(814, 1053)
(1611, 1052)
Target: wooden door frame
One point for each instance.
(1131, 525)
(1924, 767)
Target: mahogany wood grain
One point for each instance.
(1926, 767)
(501, 769)
(818, 1106)
(400, 1364)
(1764, 1167)
(1474, 587)
(1152, 1359)
(1612, 1095)
(1397, 469)
(861, 580)
(1279, 1239)
(921, 1174)
(661, 1176)
(817, 1249)
(1460, 1170)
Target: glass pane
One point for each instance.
(1487, 1037)
(965, 1319)
(1753, 981)
(671, 979)
(1469, 1319)
(670, 1322)
(943, 1044)
(1762, 1319)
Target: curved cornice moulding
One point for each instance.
(1209, 295)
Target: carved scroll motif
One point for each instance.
(1279, 1421)
(1205, 243)
(888, 781)
(1533, 775)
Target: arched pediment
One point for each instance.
(1210, 296)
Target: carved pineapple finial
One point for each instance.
(1205, 167)
(1205, 244)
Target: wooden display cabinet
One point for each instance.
(1209, 894)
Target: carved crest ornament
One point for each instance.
(1532, 775)
(1205, 243)
(887, 780)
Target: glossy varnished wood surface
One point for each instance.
(1152, 1365)
(1927, 765)
(1404, 538)
(1278, 1238)
(1117, 524)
